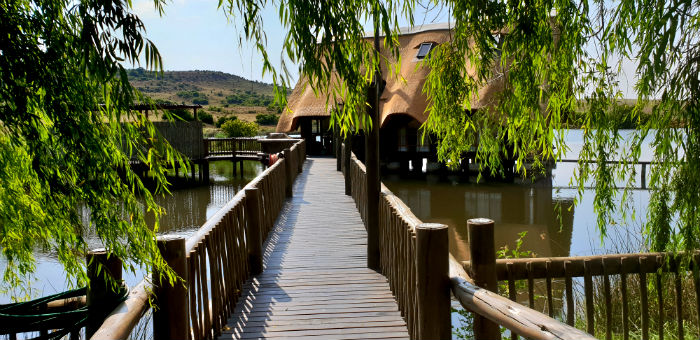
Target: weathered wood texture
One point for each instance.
(399, 258)
(217, 256)
(398, 261)
(315, 282)
(616, 272)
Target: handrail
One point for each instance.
(517, 318)
(596, 265)
(398, 226)
(122, 320)
(218, 257)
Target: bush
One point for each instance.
(223, 120)
(200, 101)
(239, 128)
(267, 119)
(205, 117)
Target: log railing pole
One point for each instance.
(105, 275)
(346, 161)
(288, 171)
(433, 281)
(254, 232)
(171, 317)
(483, 270)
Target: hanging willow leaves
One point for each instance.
(64, 149)
(558, 63)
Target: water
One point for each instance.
(187, 209)
(534, 208)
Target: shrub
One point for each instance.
(267, 119)
(205, 117)
(200, 101)
(239, 128)
(223, 120)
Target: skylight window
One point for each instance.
(424, 50)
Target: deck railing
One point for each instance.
(421, 273)
(618, 277)
(214, 262)
(230, 146)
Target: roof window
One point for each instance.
(424, 50)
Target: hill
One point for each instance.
(221, 94)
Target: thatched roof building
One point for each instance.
(398, 98)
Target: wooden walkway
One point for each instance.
(315, 283)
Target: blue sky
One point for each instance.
(196, 35)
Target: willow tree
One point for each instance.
(557, 56)
(556, 60)
(63, 149)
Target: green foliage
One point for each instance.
(550, 56)
(239, 128)
(200, 101)
(224, 119)
(205, 117)
(249, 98)
(267, 119)
(63, 148)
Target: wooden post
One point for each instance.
(105, 276)
(171, 317)
(254, 232)
(433, 281)
(288, 172)
(346, 160)
(338, 150)
(483, 270)
(372, 161)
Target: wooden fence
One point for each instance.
(214, 262)
(628, 274)
(230, 146)
(421, 273)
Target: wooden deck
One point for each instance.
(315, 283)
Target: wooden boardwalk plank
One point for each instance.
(315, 283)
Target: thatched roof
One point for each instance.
(398, 97)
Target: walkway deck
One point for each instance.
(315, 283)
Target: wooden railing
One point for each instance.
(214, 262)
(421, 273)
(230, 146)
(626, 273)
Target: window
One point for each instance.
(424, 49)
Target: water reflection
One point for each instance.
(514, 208)
(186, 209)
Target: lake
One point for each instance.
(514, 208)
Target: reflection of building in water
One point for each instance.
(514, 209)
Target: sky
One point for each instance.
(196, 35)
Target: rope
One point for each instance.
(23, 317)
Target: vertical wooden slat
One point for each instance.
(608, 304)
(644, 297)
(660, 300)
(530, 285)
(696, 282)
(588, 290)
(569, 293)
(550, 299)
(623, 292)
(512, 294)
(679, 304)
(203, 278)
